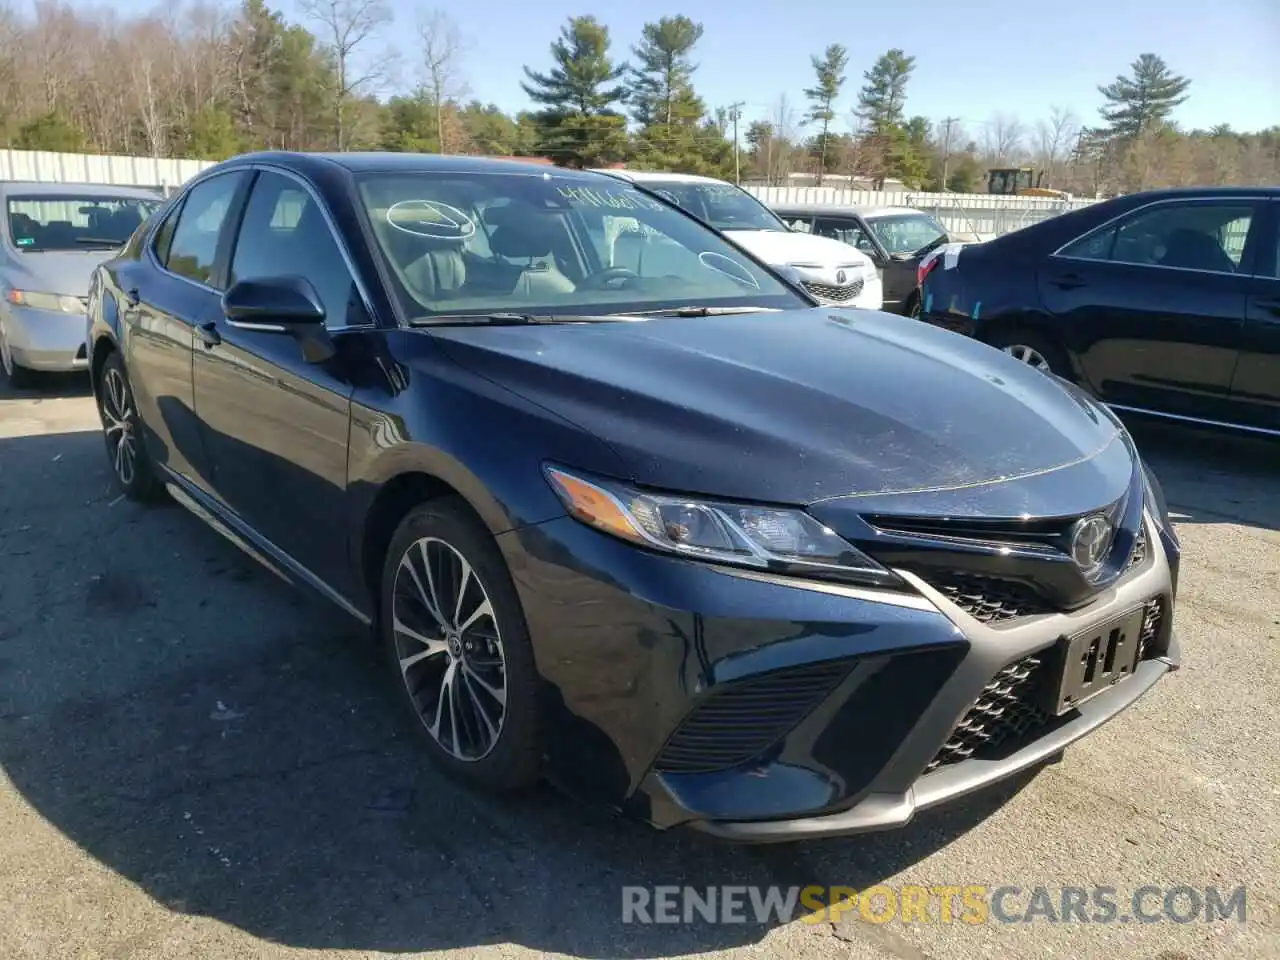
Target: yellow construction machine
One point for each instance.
(1020, 182)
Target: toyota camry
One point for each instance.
(670, 534)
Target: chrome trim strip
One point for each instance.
(1226, 424)
(870, 594)
(253, 325)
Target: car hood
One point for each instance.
(797, 406)
(66, 272)
(780, 248)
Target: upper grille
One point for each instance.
(989, 599)
(825, 291)
(1005, 709)
(743, 720)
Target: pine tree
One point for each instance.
(882, 100)
(822, 96)
(662, 90)
(579, 125)
(1137, 103)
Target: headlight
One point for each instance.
(770, 538)
(46, 301)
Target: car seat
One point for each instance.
(522, 232)
(1194, 250)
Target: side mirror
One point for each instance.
(273, 304)
(281, 305)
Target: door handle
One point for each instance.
(209, 334)
(1068, 281)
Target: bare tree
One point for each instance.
(347, 25)
(1002, 139)
(442, 49)
(1056, 139)
(785, 125)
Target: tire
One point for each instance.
(1034, 349)
(492, 743)
(132, 466)
(911, 309)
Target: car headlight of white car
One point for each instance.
(57, 302)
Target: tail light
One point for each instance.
(926, 267)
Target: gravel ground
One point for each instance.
(198, 761)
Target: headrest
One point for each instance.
(522, 238)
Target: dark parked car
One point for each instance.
(1164, 303)
(896, 239)
(680, 540)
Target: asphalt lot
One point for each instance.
(198, 761)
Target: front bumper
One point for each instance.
(47, 340)
(762, 709)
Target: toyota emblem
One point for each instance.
(840, 277)
(1090, 542)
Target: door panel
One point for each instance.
(163, 300)
(1256, 387)
(1154, 307)
(275, 425)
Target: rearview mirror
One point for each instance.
(273, 304)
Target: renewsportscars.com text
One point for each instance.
(909, 903)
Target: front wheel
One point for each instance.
(121, 428)
(459, 648)
(19, 377)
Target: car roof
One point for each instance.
(48, 189)
(657, 176)
(387, 162)
(868, 212)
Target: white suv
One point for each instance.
(832, 272)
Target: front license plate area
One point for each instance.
(1098, 659)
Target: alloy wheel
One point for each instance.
(6, 356)
(117, 422)
(449, 649)
(1028, 355)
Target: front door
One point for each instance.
(276, 425)
(1154, 304)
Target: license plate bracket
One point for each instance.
(1097, 659)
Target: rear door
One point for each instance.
(1256, 386)
(166, 294)
(1154, 303)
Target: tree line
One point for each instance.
(208, 81)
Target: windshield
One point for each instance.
(906, 233)
(61, 222)
(722, 205)
(541, 243)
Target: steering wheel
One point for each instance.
(601, 278)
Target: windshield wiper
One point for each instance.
(931, 245)
(701, 311)
(100, 241)
(502, 319)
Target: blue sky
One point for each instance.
(973, 57)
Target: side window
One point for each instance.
(284, 233)
(1190, 236)
(799, 224)
(846, 231)
(164, 236)
(194, 244)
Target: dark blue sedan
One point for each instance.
(624, 507)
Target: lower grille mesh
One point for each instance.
(1009, 706)
(743, 720)
(1006, 708)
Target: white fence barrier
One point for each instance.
(976, 213)
(162, 174)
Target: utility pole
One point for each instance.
(947, 124)
(735, 113)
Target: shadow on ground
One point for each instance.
(48, 385)
(227, 744)
(1213, 476)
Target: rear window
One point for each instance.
(61, 222)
